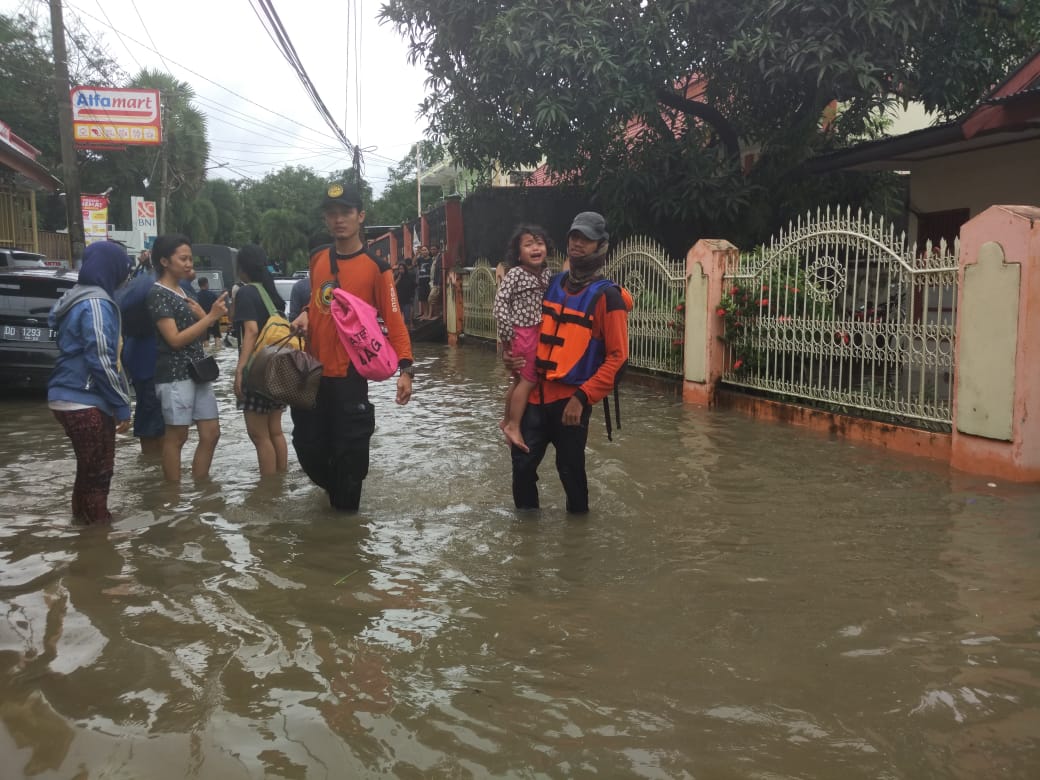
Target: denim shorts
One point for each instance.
(184, 402)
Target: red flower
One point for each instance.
(734, 290)
(677, 342)
(764, 302)
(794, 289)
(721, 312)
(680, 307)
(765, 287)
(738, 363)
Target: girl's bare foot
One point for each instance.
(514, 437)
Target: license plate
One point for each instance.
(27, 333)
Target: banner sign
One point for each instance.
(142, 212)
(95, 217)
(118, 117)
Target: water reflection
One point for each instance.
(742, 601)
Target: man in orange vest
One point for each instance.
(583, 344)
(332, 440)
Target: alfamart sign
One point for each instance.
(103, 116)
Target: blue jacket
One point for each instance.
(140, 351)
(87, 370)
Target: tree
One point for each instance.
(398, 203)
(27, 98)
(652, 104)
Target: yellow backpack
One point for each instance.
(276, 330)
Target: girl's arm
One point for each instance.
(502, 309)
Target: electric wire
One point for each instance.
(293, 58)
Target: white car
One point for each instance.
(284, 287)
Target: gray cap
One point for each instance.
(591, 225)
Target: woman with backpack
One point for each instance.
(257, 300)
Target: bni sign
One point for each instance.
(143, 212)
(115, 117)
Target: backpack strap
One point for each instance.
(617, 403)
(333, 268)
(271, 310)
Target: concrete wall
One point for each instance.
(976, 180)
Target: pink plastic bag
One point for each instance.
(359, 331)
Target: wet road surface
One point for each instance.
(743, 601)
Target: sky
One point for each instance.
(259, 117)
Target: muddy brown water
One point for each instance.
(744, 601)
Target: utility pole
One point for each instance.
(164, 172)
(70, 173)
(418, 178)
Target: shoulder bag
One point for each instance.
(357, 325)
(284, 374)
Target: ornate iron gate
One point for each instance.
(839, 312)
(478, 296)
(657, 285)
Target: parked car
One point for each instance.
(284, 287)
(28, 348)
(20, 258)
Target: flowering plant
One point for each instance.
(773, 305)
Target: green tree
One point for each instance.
(28, 102)
(652, 105)
(227, 203)
(281, 236)
(397, 203)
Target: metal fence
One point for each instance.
(839, 312)
(657, 285)
(478, 296)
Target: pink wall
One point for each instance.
(1017, 230)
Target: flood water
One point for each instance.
(743, 601)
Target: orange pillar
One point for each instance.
(406, 232)
(706, 265)
(996, 401)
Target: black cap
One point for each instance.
(591, 225)
(343, 195)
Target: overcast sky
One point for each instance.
(221, 48)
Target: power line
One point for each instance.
(102, 9)
(146, 32)
(285, 46)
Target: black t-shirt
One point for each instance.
(250, 306)
(405, 284)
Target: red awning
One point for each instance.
(29, 168)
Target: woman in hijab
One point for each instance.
(87, 391)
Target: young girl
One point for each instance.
(518, 310)
(87, 391)
(263, 416)
(182, 327)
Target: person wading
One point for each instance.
(332, 440)
(583, 344)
